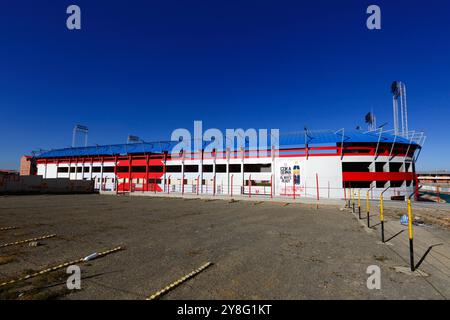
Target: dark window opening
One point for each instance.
(87, 169)
(265, 167)
(79, 169)
(96, 169)
(191, 168)
(261, 183)
(109, 169)
(408, 183)
(221, 168)
(381, 184)
(234, 168)
(173, 168)
(395, 166)
(355, 166)
(122, 169)
(72, 169)
(208, 168)
(138, 169)
(396, 184)
(63, 169)
(379, 166)
(358, 184)
(407, 166)
(155, 169)
(155, 181)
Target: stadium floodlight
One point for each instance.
(133, 139)
(81, 129)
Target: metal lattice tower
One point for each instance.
(398, 90)
(81, 129)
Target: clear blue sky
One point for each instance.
(149, 67)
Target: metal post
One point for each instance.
(293, 185)
(250, 186)
(129, 174)
(382, 213)
(359, 204)
(232, 185)
(382, 218)
(353, 201)
(271, 187)
(182, 185)
(368, 209)
(168, 185)
(146, 174)
(317, 187)
(198, 186)
(410, 233)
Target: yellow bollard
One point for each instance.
(382, 218)
(368, 209)
(410, 231)
(359, 204)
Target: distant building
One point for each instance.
(434, 177)
(28, 166)
(5, 173)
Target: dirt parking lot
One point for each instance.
(259, 250)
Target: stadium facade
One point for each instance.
(312, 164)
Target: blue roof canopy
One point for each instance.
(286, 141)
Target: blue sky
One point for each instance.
(149, 67)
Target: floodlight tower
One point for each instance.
(82, 129)
(398, 90)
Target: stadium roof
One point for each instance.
(286, 141)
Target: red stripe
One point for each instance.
(377, 176)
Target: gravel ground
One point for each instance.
(259, 250)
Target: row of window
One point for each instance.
(379, 166)
(86, 169)
(220, 168)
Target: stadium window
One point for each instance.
(260, 167)
(157, 181)
(155, 169)
(96, 169)
(395, 166)
(109, 169)
(221, 168)
(261, 183)
(138, 169)
(191, 168)
(72, 169)
(185, 181)
(379, 166)
(355, 166)
(63, 169)
(234, 168)
(396, 184)
(381, 184)
(87, 169)
(358, 184)
(122, 169)
(173, 168)
(408, 166)
(80, 169)
(208, 168)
